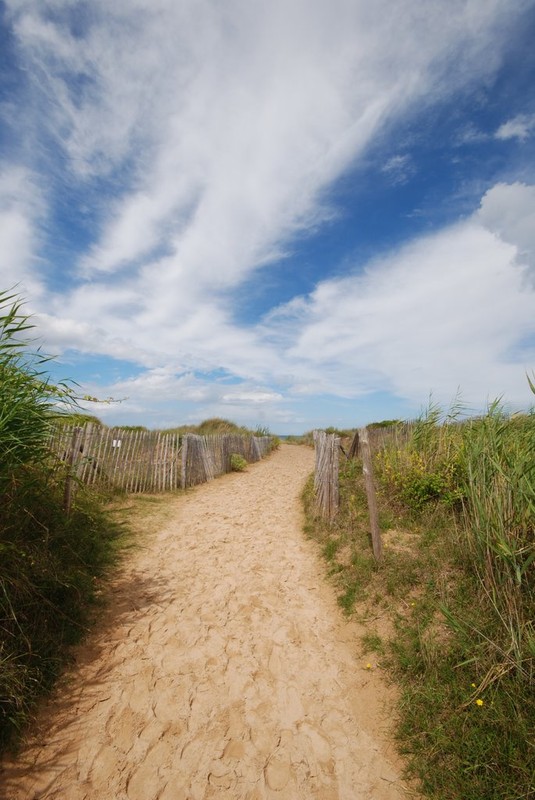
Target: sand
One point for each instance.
(223, 667)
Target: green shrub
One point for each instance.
(342, 433)
(237, 463)
(422, 464)
(216, 425)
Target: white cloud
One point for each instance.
(447, 310)
(21, 211)
(520, 127)
(256, 397)
(509, 211)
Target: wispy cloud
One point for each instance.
(471, 135)
(520, 127)
(398, 168)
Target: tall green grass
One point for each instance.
(25, 394)
(498, 461)
(457, 585)
(468, 717)
(50, 563)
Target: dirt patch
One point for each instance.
(399, 541)
(223, 668)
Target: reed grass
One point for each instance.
(498, 460)
(51, 563)
(468, 718)
(455, 593)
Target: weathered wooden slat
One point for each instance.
(367, 468)
(133, 485)
(146, 482)
(72, 459)
(327, 448)
(127, 461)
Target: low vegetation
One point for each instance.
(214, 426)
(237, 463)
(450, 610)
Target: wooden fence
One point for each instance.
(326, 490)
(148, 461)
(326, 487)
(205, 457)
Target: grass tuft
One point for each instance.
(237, 463)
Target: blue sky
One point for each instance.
(296, 214)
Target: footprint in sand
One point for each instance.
(277, 771)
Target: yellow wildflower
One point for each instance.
(479, 701)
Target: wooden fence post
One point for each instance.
(184, 460)
(354, 447)
(367, 469)
(71, 464)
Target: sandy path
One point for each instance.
(224, 670)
